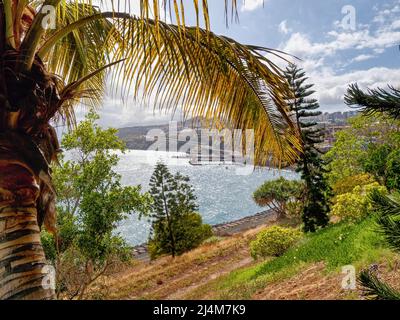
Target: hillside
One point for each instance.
(135, 137)
(223, 269)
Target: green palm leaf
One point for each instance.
(171, 66)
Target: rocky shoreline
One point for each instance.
(221, 230)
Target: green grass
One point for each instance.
(337, 245)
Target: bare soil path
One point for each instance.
(168, 278)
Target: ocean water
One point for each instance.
(222, 194)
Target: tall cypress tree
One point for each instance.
(311, 164)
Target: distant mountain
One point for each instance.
(135, 137)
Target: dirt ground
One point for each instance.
(315, 284)
(191, 276)
(168, 278)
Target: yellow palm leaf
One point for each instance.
(174, 66)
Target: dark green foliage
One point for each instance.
(383, 161)
(49, 246)
(387, 208)
(279, 194)
(388, 219)
(189, 232)
(91, 203)
(310, 165)
(375, 289)
(392, 172)
(375, 100)
(375, 160)
(176, 228)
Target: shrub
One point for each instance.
(273, 241)
(393, 171)
(282, 196)
(347, 184)
(189, 232)
(376, 158)
(355, 205)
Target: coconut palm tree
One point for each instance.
(56, 54)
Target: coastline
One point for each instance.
(225, 229)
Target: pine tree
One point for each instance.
(311, 164)
(387, 208)
(176, 227)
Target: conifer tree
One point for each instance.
(176, 227)
(311, 164)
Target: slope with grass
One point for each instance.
(224, 270)
(315, 261)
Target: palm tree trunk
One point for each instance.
(22, 262)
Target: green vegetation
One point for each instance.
(392, 172)
(337, 245)
(366, 147)
(347, 184)
(176, 227)
(285, 197)
(356, 204)
(48, 70)
(311, 165)
(388, 220)
(273, 241)
(387, 207)
(91, 203)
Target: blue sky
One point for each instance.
(332, 54)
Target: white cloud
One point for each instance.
(330, 71)
(116, 113)
(363, 57)
(299, 44)
(379, 50)
(395, 25)
(384, 15)
(331, 87)
(250, 5)
(283, 28)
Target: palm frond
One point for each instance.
(82, 51)
(176, 66)
(205, 74)
(9, 23)
(210, 76)
(72, 94)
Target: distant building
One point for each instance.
(331, 124)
